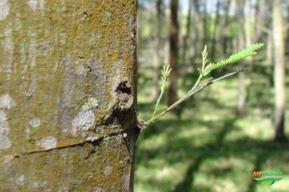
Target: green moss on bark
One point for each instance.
(53, 58)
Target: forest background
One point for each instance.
(214, 141)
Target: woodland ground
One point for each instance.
(210, 148)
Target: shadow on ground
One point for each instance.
(212, 146)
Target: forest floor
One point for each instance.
(209, 147)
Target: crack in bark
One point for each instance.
(93, 141)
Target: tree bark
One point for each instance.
(279, 70)
(174, 30)
(67, 95)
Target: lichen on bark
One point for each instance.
(61, 63)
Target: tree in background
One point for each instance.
(187, 33)
(279, 70)
(205, 23)
(174, 31)
(226, 25)
(158, 46)
(215, 29)
(247, 36)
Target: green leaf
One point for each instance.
(267, 181)
(249, 51)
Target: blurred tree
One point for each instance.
(215, 28)
(269, 50)
(259, 10)
(225, 25)
(248, 41)
(158, 62)
(174, 31)
(279, 70)
(205, 23)
(264, 23)
(197, 28)
(187, 33)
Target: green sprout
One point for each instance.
(165, 73)
(205, 71)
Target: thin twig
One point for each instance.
(191, 93)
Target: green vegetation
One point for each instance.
(249, 51)
(203, 72)
(213, 140)
(209, 148)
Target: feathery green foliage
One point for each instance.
(203, 72)
(164, 78)
(249, 51)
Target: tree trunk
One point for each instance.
(269, 50)
(197, 41)
(158, 49)
(226, 25)
(67, 95)
(242, 90)
(188, 32)
(214, 33)
(205, 24)
(173, 52)
(242, 78)
(258, 20)
(279, 68)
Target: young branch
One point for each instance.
(204, 71)
(191, 93)
(164, 78)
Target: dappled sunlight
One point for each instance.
(256, 128)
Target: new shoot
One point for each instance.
(205, 70)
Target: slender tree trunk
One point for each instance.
(188, 32)
(269, 50)
(158, 62)
(193, 35)
(279, 70)
(205, 24)
(242, 91)
(67, 95)
(216, 24)
(242, 86)
(173, 52)
(258, 20)
(226, 28)
(197, 27)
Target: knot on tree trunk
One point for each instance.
(125, 98)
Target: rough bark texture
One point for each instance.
(173, 52)
(67, 95)
(279, 70)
